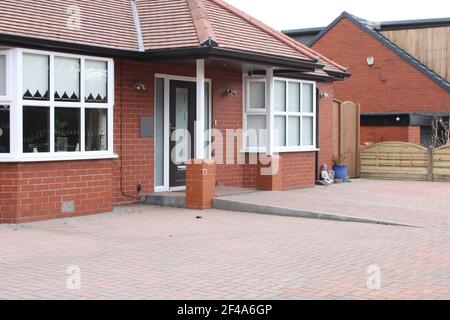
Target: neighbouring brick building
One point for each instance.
(96, 95)
(400, 73)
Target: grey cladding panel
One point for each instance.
(147, 127)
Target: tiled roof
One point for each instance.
(153, 25)
(166, 24)
(106, 23)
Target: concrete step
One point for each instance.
(240, 206)
(169, 199)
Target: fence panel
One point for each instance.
(395, 160)
(441, 164)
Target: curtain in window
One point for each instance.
(2, 75)
(35, 76)
(67, 79)
(96, 82)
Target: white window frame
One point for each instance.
(18, 103)
(286, 114)
(7, 98)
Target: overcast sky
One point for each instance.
(293, 14)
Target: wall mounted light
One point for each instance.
(370, 61)
(230, 93)
(139, 85)
(324, 95)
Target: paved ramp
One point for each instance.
(408, 203)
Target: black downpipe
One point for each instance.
(122, 189)
(317, 133)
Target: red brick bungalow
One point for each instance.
(399, 95)
(90, 92)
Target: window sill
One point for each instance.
(48, 158)
(312, 149)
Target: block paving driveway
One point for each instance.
(162, 253)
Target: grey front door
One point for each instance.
(182, 119)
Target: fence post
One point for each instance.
(430, 164)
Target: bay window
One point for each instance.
(5, 103)
(294, 115)
(4, 129)
(62, 106)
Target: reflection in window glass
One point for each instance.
(67, 79)
(307, 98)
(96, 122)
(67, 129)
(2, 75)
(4, 129)
(257, 95)
(96, 82)
(280, 131)
(36, 129)
(294, 97)
(280, 96)
(35, 76)
(256, 131)
(307, 131)
(294, 131)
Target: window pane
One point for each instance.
(159, 138)
(280, 131)
(67, 129)
(207, 125)
(2, 75)
(96, 129)
(35, 76)
(307, 131)
(67, 79)
(96, 81)
(4, 129)
(294, 97)
(307, 98)
(257, 95)
(256, 133)
(36, 129)
(280, 95)
(294, 132)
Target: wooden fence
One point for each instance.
(441, 164)
(405, 161)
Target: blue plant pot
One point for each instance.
(340, 171)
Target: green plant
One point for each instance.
(60, 126)
(341, 158)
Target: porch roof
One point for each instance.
(154, 29)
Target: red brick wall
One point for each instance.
(136, 160)
(392, 84)
(36, 191)
(376, 134)
(298, 170)
(8, 192)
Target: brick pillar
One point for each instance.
(200, 184)
(269, 175)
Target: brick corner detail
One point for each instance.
(200, 184)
